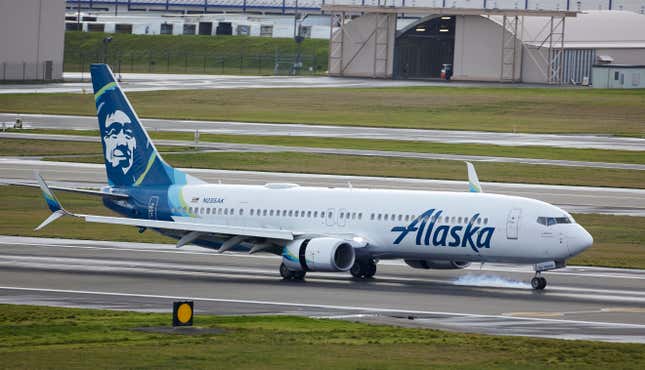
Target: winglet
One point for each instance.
(54, 205)
(473, 180)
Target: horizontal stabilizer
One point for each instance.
(54, 205)
(53, 217)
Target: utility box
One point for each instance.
(618, 76)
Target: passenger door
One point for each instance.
(513, 223)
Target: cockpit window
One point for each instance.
(548, 221)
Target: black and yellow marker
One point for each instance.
(182, 313)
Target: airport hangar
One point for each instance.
(506, 45)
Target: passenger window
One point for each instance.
(264, 212)
(385, 217)
(251, 212)
(360, 216)
(308, 214)
(485, 220)
(379, 217)
(315, 213)
(330, 214)
(241, 212)
(372, 216)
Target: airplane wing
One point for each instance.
(193, 230)
(193, 227)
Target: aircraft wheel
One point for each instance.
(538, 283)
(363, 269)
(285, 272)
(299, 275)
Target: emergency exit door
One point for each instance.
(513, 223)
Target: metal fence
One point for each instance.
(24, 72)
(306, 63)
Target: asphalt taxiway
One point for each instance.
(575, 199)
(78, 82)
(579, 303)
(234, 147)
(350, 132)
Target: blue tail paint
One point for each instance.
(131, 158)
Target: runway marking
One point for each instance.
(534, 314)
(324, 306)
(158, 248)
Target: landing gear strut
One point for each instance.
(291, 274)
(363, 268)
(538, 282)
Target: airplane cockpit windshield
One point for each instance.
(550, 221)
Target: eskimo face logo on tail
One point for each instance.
(120, 141)
(429, 230)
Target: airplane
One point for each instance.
(316, 228)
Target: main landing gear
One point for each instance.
(538, 282)
(363, 268)
(291, 274)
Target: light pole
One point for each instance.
(106, 43)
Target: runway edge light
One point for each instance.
(182, 313)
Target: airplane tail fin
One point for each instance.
(131, 158)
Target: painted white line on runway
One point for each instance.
(632, 274)
(178, 269)
(324, 306)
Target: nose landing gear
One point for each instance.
(538, 282)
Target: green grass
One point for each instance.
(192, 54)
(48, 337)
(619, 241)
(489, 109)
(36, 147)
(396, 167)
(591, 155)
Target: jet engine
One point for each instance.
(437, 265)
(319, 254)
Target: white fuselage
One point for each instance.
(425, 225)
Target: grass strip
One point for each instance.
(590, 155)
(532, 110)
(51, 337)
(37, 147)
(619, 241)
(397, 167)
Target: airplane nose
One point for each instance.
(581, 241)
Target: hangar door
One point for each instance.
(421, 50)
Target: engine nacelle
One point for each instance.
(437, 265)
(319, 254)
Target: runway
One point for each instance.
(575, 199)
(350, 132)
(232, 147)
(579, 303)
